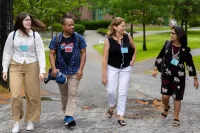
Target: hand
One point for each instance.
(196, 83)
(154, 73)
(104, 81)
(132, 62)
(41, 76)
(54, 72)
(5, 76)
(79, 74)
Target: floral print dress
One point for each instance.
(173, 75)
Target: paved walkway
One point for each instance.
(143, 116)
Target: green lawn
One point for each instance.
(135, 29)
(149, 28)
(47, 60)
(154, 44)
(196, 60)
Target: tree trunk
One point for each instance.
(6, 26)
(132, 25)
(144, 34)
(182, 23)
(31, 4)
(51, 26)
(186, 26)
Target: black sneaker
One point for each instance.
(70, 121)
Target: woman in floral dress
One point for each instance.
(172, 58)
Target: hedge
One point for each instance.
(77, 27)
(94, 24)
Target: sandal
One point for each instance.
(109, 113)
(166, 110)
(176, 123)
(122, 122)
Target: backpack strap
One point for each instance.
(14, 35)
(78, 39)
(57, 40)
(167, 45)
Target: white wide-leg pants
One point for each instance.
(118, 78)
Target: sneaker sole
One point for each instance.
(72, 123)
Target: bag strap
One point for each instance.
(57, 40)
(167, 45)
(78, 39)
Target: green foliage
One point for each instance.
(94, 25)
(57, 27)
(155, 43)
(102, 31)
(194, 22)
(49, 10)
(186, 10)
(79, 28)
(48, 65)
(196, 60)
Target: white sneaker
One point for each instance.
(16, 127)
(30, 126)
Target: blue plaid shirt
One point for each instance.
(74, 65)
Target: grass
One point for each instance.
(196, 60)
(47, 60)
(154, 44)
(105, 30)
(3, 89)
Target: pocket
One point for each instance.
(13, 62)
(14, 66)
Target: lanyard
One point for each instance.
(177, 55)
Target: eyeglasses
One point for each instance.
(173, 33)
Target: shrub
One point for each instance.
(194, 22)
(77, 27)
(94, 25)
(102, 31)
(57, 27)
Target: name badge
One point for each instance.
(23, 48)
(124, 50)
(68, 49)
(174, 62)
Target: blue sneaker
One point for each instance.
(69, 121)
(65, 119)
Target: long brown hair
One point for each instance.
(115, 22)
(35, 23)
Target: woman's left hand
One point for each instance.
(196, 83)
(41, 76)
(132, 62)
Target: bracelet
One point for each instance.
(195, 78)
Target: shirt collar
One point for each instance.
(30, 33)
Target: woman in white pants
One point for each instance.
(118, 59)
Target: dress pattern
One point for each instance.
(173, 77)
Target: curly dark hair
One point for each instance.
(181, 35)
(35, 23)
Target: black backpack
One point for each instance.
(160, 66)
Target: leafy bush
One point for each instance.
(194, 22)
(102, 31)
(57, 27)
(77, 27)
(94, 25)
